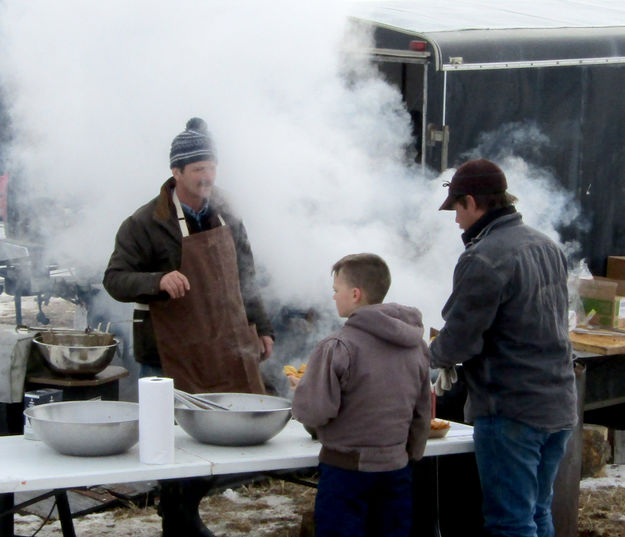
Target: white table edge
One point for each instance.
(292, 449)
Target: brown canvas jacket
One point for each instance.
(148, 245)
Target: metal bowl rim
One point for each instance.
(235, 411)
(27, 412)
(39, 342)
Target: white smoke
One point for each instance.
(97, 91)
(544, 204)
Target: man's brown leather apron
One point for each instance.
(204, 340)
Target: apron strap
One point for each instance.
(184, 229)
(182, 222)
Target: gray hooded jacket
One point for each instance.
(366, 390)
(506, 321)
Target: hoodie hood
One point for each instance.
(397, 324)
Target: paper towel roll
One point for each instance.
(156, 420)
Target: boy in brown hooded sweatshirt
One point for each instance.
(366, 391)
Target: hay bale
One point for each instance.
(595, 449)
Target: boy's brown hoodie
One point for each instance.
(366, 390)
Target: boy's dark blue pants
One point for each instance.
(354, 504)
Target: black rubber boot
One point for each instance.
(179, 507)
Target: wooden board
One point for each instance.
(109, 374)
(599, 344)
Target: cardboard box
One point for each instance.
(616, 267)
(607, 297)
(619, 321)
(39, 397)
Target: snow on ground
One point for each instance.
(273, 510)
(266, 511)
(60, 311)
(613, 475)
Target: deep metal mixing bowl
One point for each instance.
(251, 419)
(86, 428)
(79, 354)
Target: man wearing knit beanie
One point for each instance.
(506, 322)
(192, 145)
(185, 260)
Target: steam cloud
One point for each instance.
(97, 90)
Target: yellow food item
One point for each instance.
(291, 370)
(437, 424)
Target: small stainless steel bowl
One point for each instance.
(78, 354)
(86, 428)
(251, 419)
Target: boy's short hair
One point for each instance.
(367, 272)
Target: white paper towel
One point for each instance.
(156, 420)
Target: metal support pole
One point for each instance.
(6, 518)
(65, 513)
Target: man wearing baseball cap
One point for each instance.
(506, 322)
(185, 260)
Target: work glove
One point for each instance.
(446, 378)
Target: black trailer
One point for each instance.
(472, 68)
(476, 70)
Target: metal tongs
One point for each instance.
(22, 329)
(195, 402)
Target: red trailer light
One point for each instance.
(420, 46)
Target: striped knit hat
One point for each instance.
(191, 145)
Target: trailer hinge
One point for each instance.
(439, 136)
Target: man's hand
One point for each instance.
(447, 376)
(175, 284)
(267, 344)
(293, 382)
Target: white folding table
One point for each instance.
(28, 465)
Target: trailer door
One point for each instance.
(407, 70)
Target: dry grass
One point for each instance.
(602, 512)
(287, 502)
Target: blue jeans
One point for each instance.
(517, 466)
(351, 503)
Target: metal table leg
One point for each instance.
(6, 515)
(426, 502)
(65, 514)
(17, 300)
(437, 512)
(448, 497)
(8, 508)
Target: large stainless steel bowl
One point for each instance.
(252, 419)
(86, 428)
(78, 354)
